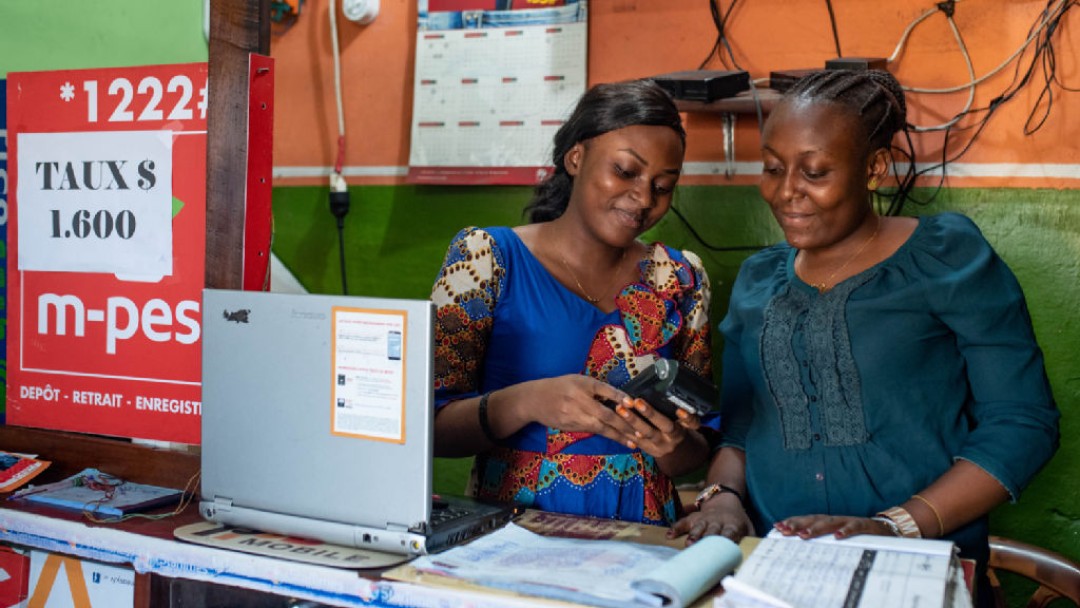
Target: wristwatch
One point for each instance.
(713, 490)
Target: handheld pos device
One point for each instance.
(667, 386)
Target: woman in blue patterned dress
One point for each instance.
(537, 325)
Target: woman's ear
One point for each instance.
(572, 158)
(877, 167)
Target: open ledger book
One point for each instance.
(586, 571)
(868, 571)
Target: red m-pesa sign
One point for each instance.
(107, 250)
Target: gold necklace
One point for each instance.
(826, 284)
(581, 290)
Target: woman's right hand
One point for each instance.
(722, 514)
(571, 403)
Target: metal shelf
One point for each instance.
(728, 108)
(743, 103)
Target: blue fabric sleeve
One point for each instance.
(975, 294)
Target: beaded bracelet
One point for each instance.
(485, 424)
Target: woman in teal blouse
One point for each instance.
(880, 374)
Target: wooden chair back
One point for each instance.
(1057, 575)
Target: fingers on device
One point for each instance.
(669, 387)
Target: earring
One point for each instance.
(873, 184)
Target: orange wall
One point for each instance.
(634, 38)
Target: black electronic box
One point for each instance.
(704, 85)
(668, 387)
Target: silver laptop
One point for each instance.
(317, 421)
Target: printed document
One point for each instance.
(870, 571)
(596, 572)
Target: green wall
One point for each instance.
(71, 34)
(396, 236)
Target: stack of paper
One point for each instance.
(870, 571)
(586, 571)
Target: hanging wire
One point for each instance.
(1040, 39)
(706, 244)
(947, 9)
(339, 158)
(835, 33)
(341, 257)
(90, 512)
(336, 180)
(1061, 8)
(721, 42)
(1050, 76)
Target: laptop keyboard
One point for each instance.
(442, 512)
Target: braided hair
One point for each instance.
(876, 100)
(603, 108)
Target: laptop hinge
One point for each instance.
(394, 527)
(222, 503)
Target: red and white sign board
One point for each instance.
(107, 250)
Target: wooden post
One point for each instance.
(237, 29)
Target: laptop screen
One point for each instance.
(319, 406)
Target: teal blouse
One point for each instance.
(849, 402)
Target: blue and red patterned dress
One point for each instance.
(502, 319)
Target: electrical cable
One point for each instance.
(721, 43)
(971, 74)
(905, 181)
(727, 42)
(339, 191)
(341, 257)
(835, 33)
(758, 109)
(1043, 53)
(1050, 76)
(1062, 6)
(339, 160)
(723, 38)
(187, 495)
(710, 246)
(1040, 34)
(716, 43)
(907, 32)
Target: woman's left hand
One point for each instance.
(840, 526)
(653, 432)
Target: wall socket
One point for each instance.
(360, 11)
